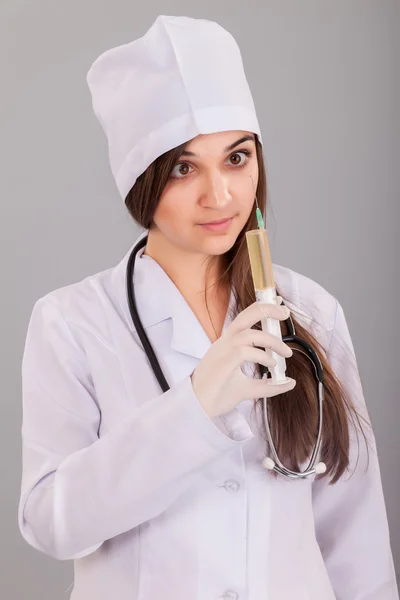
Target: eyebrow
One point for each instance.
(245, 138)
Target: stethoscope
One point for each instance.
(273, 463)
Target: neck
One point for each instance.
(187, 270)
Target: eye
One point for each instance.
(182, 169)
(243, 162)
(178, 166)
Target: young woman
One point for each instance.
(164, 493)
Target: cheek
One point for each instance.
(172, 212)
(245, 194)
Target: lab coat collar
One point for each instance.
(158, 299)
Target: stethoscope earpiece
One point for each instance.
(268, 463)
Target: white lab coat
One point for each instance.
(151, 497)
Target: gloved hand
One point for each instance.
(218, 381)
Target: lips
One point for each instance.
(217, 222)
(219, 227)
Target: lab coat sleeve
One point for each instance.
(350, 515)
(79, 489)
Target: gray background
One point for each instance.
(324, 79)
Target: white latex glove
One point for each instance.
(218, 381)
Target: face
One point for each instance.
(211, 181)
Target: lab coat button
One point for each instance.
(230, 595)
(231, 486)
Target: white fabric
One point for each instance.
(184, 77)
(151, 497)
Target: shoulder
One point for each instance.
(85, 303)
(82, 291)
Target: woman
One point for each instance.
(164, 494)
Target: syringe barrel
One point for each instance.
(265, 292)
(260, 259)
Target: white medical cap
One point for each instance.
(184, 77)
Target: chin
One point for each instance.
(219, 244)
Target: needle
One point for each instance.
(260, 220)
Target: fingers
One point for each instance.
(283, 311)
(259, 388)
(255, 337)
(255, 313)
(255, 355)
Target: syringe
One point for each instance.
(264, 286)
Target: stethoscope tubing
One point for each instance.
(309, 352)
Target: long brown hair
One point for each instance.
(294, 414)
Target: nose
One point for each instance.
(216, 190)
